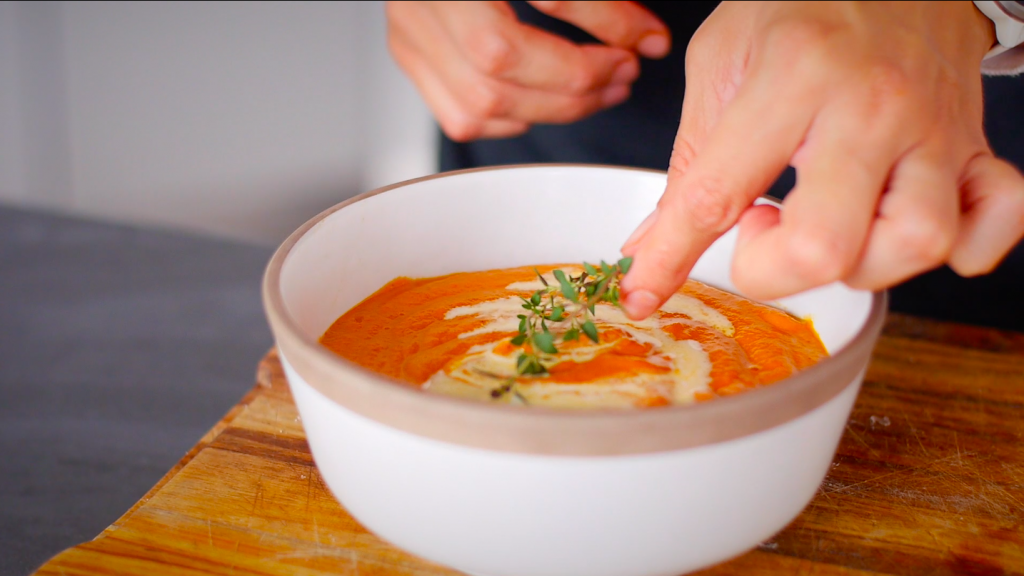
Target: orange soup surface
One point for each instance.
(450, 335)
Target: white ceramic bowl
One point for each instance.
(499, 490)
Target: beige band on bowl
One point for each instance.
(540, 430)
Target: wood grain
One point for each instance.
(928, 479)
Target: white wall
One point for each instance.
(238, 119)
(34, 145)
(12, 184)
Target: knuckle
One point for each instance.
(580, 80)
(664, 258)
(797, 40)
(490, 51)
(956, 97)
(819, 256)
(710, 206)
(699, 51)
(888, 85)
(924, 239)
(683, 153)
(484, 100)
(619, 31)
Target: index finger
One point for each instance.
(616, 23)
(743, 154)
(498, 45)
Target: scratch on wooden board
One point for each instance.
(956, 442)
(815, 547)
(919, 443)
(931, 418)
(994, 508)
(824, 493)
(258, 495)
(209, 532)
(913, 431)
(943, 460)
(931, 501)
(321, 553)
(966, 501)
(238, 543)
(1015, 472)
(316, 533)
(861, 440)
(909, 471)
(967, 498)
(355, 562)
(309, 490)
(996, 487)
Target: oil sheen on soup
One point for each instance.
(451, 335)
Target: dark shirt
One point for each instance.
(640, 132)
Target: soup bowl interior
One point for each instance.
(493, 489)
(498, 218)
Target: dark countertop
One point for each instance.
(119, 348)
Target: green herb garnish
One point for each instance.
(557, 314)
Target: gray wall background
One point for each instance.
(238, 119)
(121, 345)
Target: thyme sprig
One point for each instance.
(560, 314)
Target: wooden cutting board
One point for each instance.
(929, 479)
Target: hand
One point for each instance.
(486, 75)
(878, 106)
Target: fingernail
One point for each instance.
(640, 231)
(640, 304)
(616, 94)
(626, 72)
(653, 45)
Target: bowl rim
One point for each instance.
(551, 431)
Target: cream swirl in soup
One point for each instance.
(450, 335)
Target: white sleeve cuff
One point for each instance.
(1009, 63)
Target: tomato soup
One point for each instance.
(451, 335)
